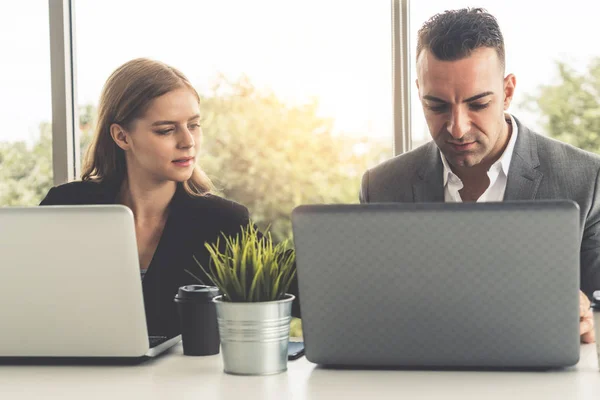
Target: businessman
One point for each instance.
(480, 152)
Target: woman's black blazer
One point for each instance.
(192, 222)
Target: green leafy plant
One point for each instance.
(251, 267)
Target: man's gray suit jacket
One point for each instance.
(541, 168)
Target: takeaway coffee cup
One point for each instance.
(198, 320)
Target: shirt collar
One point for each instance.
(503, 161)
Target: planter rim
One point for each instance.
(287, 298)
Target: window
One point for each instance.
(296, 95)
(25, 104)
(549, 51)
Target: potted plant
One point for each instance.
(254, 309)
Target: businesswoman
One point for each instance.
(143, 156)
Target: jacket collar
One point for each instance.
(524, 176)
(523, 180)
(428, 186)
(109, 189)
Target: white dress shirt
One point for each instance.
(498, 174)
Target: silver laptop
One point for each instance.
(70, 284)
(440, 285)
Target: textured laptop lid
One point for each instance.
(492, 284)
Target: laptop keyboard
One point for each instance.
(156, 340)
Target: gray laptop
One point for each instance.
(440, 285)
(70, 284)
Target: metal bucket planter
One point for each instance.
(254, 335)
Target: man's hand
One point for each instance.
(586, 319)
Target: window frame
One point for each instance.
(65, 132)
(401, 80)
(65, 135)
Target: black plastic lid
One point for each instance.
(596, 300)
(196, 293)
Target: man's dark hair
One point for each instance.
(455, 34)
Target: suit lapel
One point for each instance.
(524, 178)
(523, 181)
(428, 185)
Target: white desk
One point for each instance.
(178, 377)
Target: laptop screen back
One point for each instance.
(486, 284)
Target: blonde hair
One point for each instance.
(126, 96)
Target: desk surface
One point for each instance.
(175, 376)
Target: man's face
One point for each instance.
(464, 103)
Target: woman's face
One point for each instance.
(162, 145)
